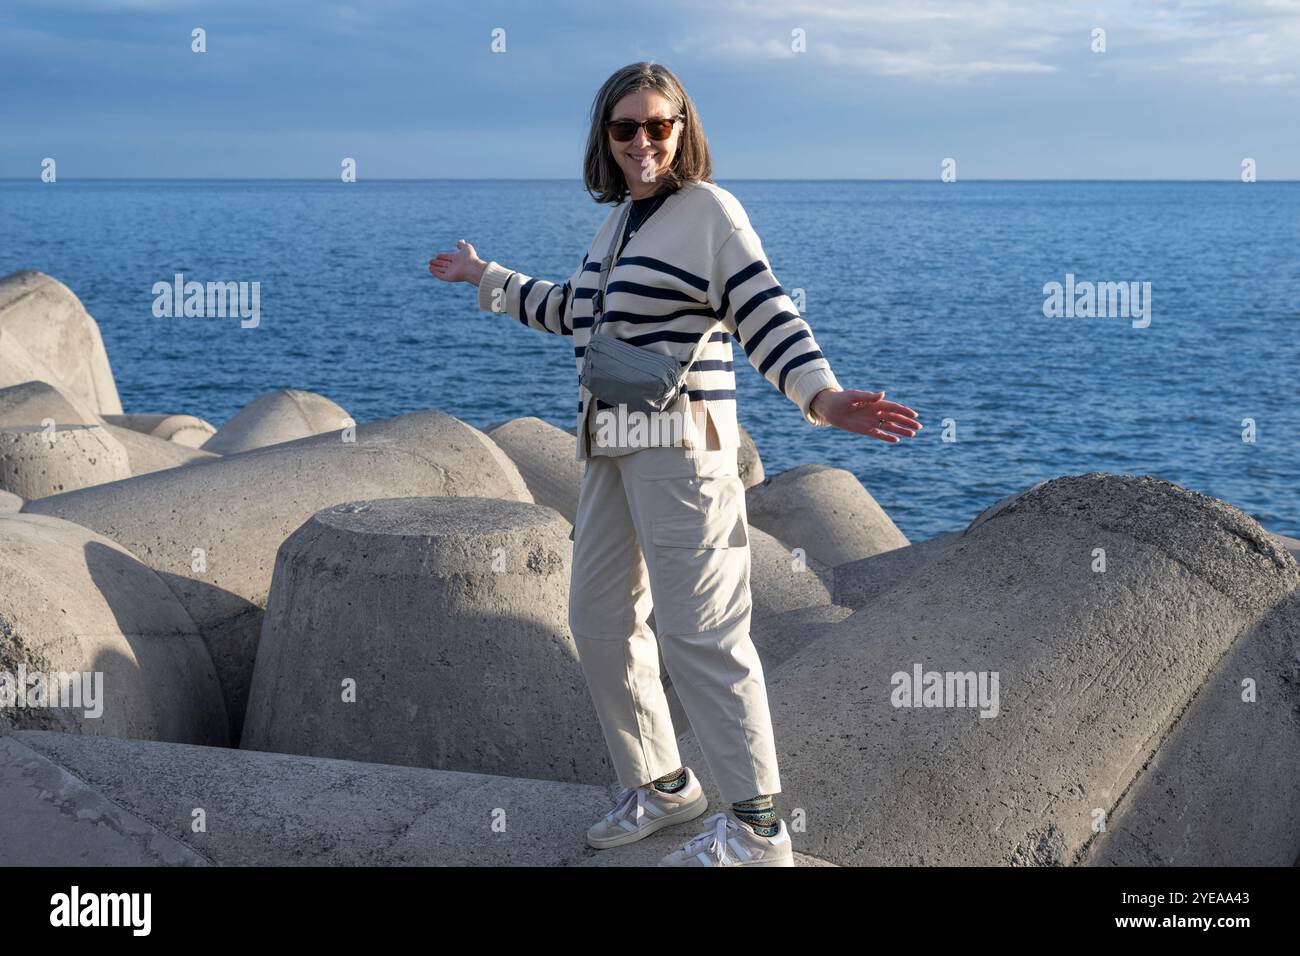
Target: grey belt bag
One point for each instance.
(620, 373)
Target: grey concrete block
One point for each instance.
(38, 461)
(34, 416)
(51, 818)
(75, 602)
(450, 617)
(780, 637)
(858, 583)
(39, 403)
(18, 367)
(148, 453)
(825, 511)
(262, 809)
(123, 803)
(1291, 544)
(1099, 672)
(212, 530)
(780, 579)
(184, 430)
(544, 456)
(60, 342)
(1223, 788)
(280, 416)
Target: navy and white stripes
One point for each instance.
(696, 268)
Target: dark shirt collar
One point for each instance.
(654, 200)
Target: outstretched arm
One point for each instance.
(754, 308)
(541, 305)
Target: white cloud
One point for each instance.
(1236, 41)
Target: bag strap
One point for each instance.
(607, 265)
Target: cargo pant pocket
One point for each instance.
(701, 569)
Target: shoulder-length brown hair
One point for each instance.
(602, 175)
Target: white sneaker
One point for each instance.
(728, 842)
(645, 810)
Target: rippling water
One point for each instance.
(931, 291)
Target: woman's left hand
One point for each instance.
(866, 413)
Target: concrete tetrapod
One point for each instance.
(825, 511)
(73, 801)
(858, 582)
(74, 602)
(780, 579)
(40, 403)
(1224, 786)
(180, 429)
(1100, 673)
(544, 455)
(36, 461)
(446, 620)
(212, 530)
(146, 453)
(18, 367)
(70, 800)
(280, 416)
(60, 342)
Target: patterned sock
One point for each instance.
(757, 813)
(672, 782)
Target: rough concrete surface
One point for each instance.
(782, 580)
(212, 529)
(125, 802)
(544, 456)
(262, 809)
(825, 511)
(1096, 674)
(449, 614)
(280, 416)
(60, 342)
(184, 430)
(36, 461)
(75, 602)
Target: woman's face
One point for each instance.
(641, 158)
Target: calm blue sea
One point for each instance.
(931, 291)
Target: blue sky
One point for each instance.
(884, 90)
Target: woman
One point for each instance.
(662, 524)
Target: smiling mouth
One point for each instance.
(642, 158)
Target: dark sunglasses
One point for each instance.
(658, 129)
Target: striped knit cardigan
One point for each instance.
(696, 265)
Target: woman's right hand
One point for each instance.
(463, 265)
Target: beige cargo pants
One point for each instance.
(658, 529)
